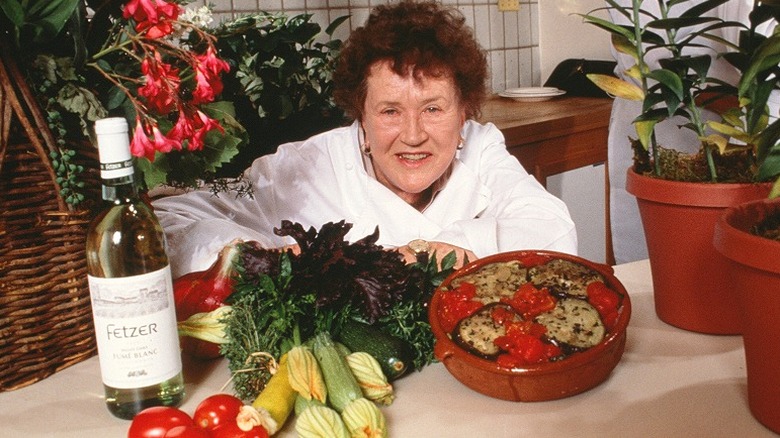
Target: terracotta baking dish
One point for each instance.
(547, 381)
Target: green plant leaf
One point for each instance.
(48, 17)
(670, 81)
(768, 142)
(767, 57)
(14, 11)
(700, 9)
(770, 167)
(154, 174)
(335, 24)
(624, 31)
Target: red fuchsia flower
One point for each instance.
(202, 124)
(154, 16)
(142, 146)
(207, 69)
(163, 143)
(183, 128)
(161, 88)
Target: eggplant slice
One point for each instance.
(564, 276)
(476, 332)
(575, 322)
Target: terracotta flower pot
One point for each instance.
(755, 280)
(688, 274)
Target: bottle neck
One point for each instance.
(120, 189)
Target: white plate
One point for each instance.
(524, 91)
(539, 97)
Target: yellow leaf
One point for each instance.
(634, 72)
(725, 129)
(617, 87)
(623, 45)
(721, 142)
(644, 130)
(775, 192)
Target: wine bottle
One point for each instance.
(131, 288)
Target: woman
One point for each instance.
(413, 163)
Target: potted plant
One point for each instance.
(748, 235)
(681, 196)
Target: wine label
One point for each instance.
(135, 328)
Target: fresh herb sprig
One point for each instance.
(408, 318)
(283, 299)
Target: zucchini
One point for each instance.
(341, 384)
(301, 404)
(394, 355)
(277, 400)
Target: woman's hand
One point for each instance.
(441, 249)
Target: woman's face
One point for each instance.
(413, 129)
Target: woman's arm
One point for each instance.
(198, 224)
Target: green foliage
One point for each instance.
(281, 78)
(37, 21)
(68, 172)
(682, 85)
(281, 300)
(279, 85)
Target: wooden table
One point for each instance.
(554, 136)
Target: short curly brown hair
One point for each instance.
(421, 35)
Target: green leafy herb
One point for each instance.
(283, 299)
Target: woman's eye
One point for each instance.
(390, 111)
(432, 109)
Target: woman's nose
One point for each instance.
(414, 133)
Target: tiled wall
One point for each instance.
(510, 38)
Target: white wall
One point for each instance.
(563, 35)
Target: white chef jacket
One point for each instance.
(628, 239)
(489, 203)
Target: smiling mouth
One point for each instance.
(413, 157)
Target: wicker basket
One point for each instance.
(45, 314)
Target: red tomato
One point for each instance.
(458, 304)
(531, 260)
(501, 315)
(188, 431)
(217, 410)
(530, 301)
(231, 430)
(154, 422)
(606, 301)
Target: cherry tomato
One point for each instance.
(231, 430)
(154, 422)
(188, 431)
(217, 410)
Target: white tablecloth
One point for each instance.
(670, 383)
